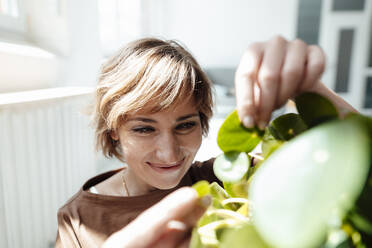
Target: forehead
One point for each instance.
(183, 108)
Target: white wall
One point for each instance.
(218, 31)
(47, 25)
(82, 63)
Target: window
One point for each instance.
(368, 93)
(12, 16)
(347, 5)
(9, 7)
(308, 20)
(345, 49)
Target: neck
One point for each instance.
(135, 185)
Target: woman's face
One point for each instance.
(159, 148)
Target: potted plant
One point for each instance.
(311, 186)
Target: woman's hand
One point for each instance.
(272, 72)
(166, 224)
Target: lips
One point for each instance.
(166, 167)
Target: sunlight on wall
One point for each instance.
(25, 67)
(24, 50)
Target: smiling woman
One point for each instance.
(153, 104)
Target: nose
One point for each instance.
(168, 148)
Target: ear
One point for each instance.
(114, 135)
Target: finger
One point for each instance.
(175, 206)
(191, 219)
(170, 240)
(178, 233)
(292, 71)
(179, 230)
(245, 77)
(185, 243)
(268, 78)
(315, 65)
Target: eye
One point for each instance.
(186, 126)
(143, 130)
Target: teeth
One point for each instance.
(169, 166)
(166, 166)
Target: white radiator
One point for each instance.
(46, 153)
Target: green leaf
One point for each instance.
(242, 237)
(218, 192)
(208, 233)
(269, 144)
(360, 222)
(287, 126)
(233, 136)
(365, 120)
(315, 109)
(237, 189)
(218, 195)
(231, 166)
(195, 241)
(361, 215)
(202, 188)
(206, 219)
(244, 210)
(312, 177)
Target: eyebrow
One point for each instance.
(148, 120)
(182, 118)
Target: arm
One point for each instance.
(66, 236)
(342, 106)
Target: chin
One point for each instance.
(169, 185)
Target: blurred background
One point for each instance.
(51, 52)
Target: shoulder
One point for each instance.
(74, 203)
(67, 210)
(68, 224)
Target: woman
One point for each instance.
(153, 106)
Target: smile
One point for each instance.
(166, 167)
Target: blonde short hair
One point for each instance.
(147, 73)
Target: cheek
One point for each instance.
(194, 141)
(133, 148)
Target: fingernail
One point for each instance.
(185, 194)
(261, 125)
(205, 201)
(248, 121)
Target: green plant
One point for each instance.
(311, 186)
